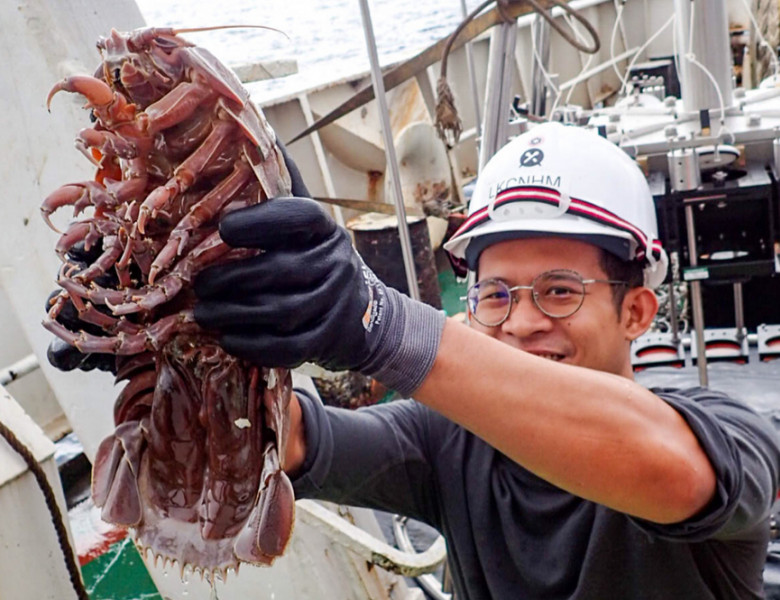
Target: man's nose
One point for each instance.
(525, 318)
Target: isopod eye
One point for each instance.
(117, 76)
(92, 116)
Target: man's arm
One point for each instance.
(599, 436)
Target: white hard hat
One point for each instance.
(563, 181)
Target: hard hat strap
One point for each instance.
(551, 203)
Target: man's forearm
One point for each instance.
(596, 435)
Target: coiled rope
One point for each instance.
(51, 503)
(448, 123)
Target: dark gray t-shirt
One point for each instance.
(512, 535)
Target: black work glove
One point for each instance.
(298, 187)
(308, 297)
(62, 355)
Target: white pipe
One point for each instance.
(19, 369)
(597, 69)
(366, 546)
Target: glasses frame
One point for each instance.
(514, 299)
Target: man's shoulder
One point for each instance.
(710, 401)
(701, 396)
(694, 393)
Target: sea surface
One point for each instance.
(325, 37)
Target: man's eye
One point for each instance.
(560, 291)
(494, 296)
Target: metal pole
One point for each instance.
(392, 160)
(472, 76)
(673, 313)
(696, 301)
(739, 311)
(709, 44)
(540, 64)
(499, 85)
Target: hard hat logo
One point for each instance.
(537, 180)
(532, 157)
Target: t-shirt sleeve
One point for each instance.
(744, 450)
(374, 457)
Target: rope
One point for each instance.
(51, 503)
(448, 123)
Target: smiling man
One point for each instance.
(550, 472)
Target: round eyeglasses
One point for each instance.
(558, 294)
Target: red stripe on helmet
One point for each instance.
(577, 206)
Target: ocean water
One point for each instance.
(325, 37)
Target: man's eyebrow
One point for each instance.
(501, 279)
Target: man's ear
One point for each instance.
(640, 306)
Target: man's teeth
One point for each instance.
(550, 356)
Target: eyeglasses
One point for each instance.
(558, 294)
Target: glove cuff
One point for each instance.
(406, 351)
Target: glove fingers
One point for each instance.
(278, 348)
(282, 270)
(274, 311)
(287, 350)
(267, 350)
(298, 186)
(278, 223)
(65, 357)
(78, 253)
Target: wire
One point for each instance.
(585, 67)
(618, 20)
(762, 39)
(641, 49)
(570, 23)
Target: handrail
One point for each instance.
(365, 545)
(22, 367)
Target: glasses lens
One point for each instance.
(489, 301)
(559, 293)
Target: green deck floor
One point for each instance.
(119, 574)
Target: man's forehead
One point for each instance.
(530, 256)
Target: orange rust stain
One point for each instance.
(374, 177)
(407, 106)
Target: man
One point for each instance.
(550, 472)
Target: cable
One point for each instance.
(618, 20)
(641, 49)
(585, 67)
(570, 23)
(51, 503)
